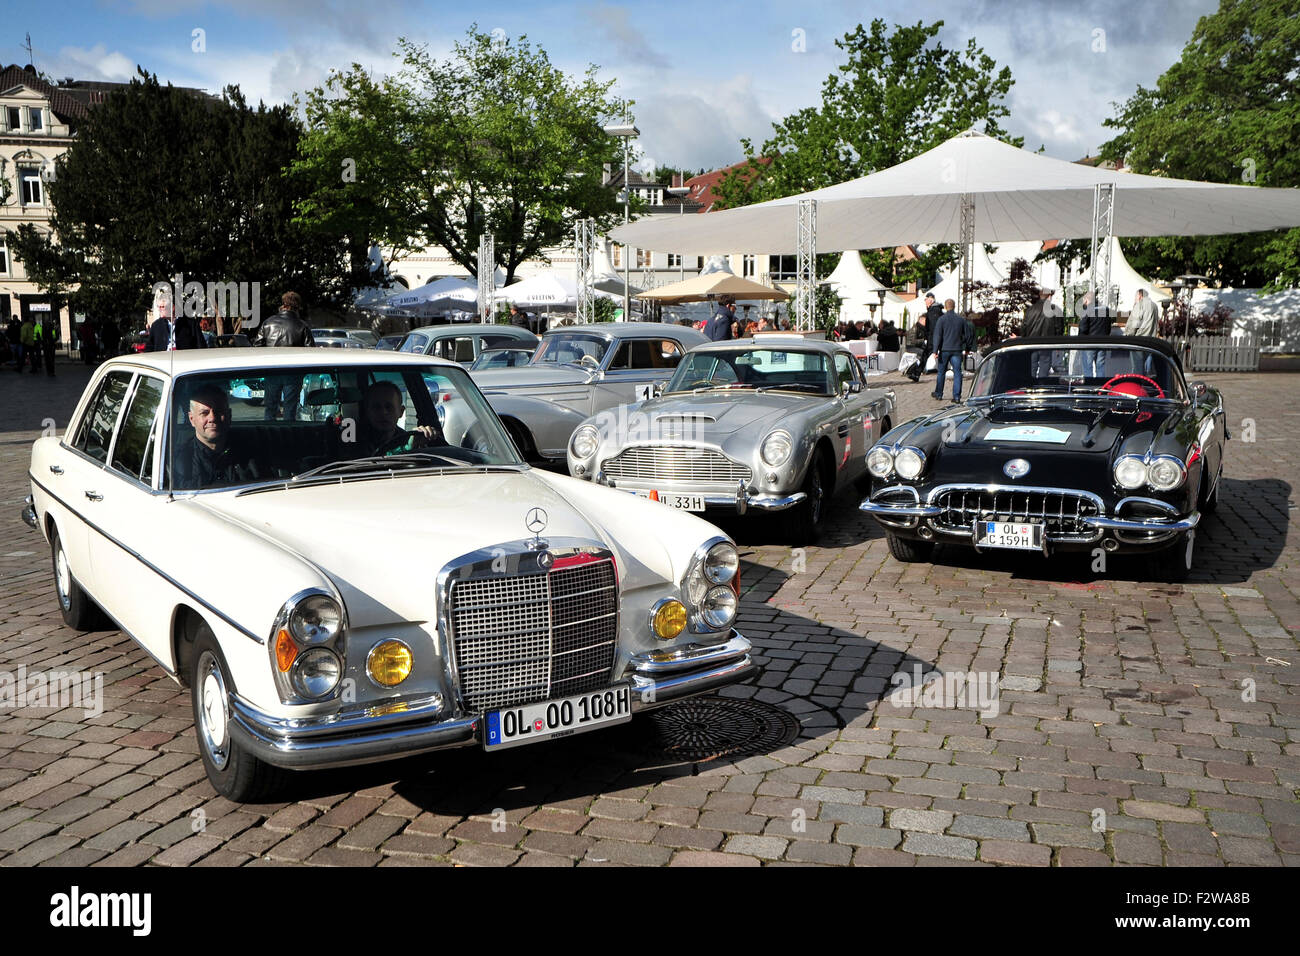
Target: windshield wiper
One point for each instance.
(373, 462)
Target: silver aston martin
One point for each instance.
(778, 423)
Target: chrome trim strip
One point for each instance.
(152, 567)
(1153, 524)
(29, 513)
(1018, 489)
(1162, 505)
(690, 656)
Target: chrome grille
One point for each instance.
(676, 463)
(1062, 513)
(531, 637)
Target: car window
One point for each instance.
(414, 343)
(95, 434)
(495, 341)
(569, 348)
(843, 371)
(754, 368)
(132, 451)
(647, 354)
(457, 349)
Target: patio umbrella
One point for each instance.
(1018, 195)
(553, 290)
(453, 294)
(709, 285)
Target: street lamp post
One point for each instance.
(681, 192)
(625, 131)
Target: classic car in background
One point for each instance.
(367, 338)
(1065, 444)
(463, 343)
(578, 371)
(770, 424)
(502, 358)
(418, 585)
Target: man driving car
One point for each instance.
(210, 458)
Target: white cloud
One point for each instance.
(95, 63)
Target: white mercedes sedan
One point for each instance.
(345, 559)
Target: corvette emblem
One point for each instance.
(1016, 468)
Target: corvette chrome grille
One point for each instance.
(525, 638)
(1061, 512)
(676, 463)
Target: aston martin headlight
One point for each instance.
(719, 608)
(880, 462)
(776, 448)
(1165, 473)
(721, 563)
(909, 462)
(316, 673)
(316, 619)
(1130, 472)
(585, 441)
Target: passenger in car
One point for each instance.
(211, 457)
(378, 432)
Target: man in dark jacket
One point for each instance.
(285, 329)
(718, 328)
(1043, 319)
(920, 335)
(1094, 320)
(173, 331)
(951, 338)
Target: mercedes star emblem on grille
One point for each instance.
(535, 521)
(1016, 468)
(545, 559)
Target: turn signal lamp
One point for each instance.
(285, 650)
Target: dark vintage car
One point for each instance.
(1065, 444)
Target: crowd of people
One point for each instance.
(29, 343)
(725, 325)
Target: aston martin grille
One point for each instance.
(676, 463)
(1062, 512)
(520, 639)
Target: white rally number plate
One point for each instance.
(681, 502)
(531, 723)
(1016, 535)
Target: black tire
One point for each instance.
(804, 522)
(1211, 502)
(79, 612)
(1173, 565)
(908, 550)
(233, 772)
(519, 435)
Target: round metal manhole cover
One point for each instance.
(706, 728)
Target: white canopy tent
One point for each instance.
(556, 291)
(452, 294)
(982, 270)
(857, 289)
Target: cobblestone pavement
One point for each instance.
(1127, 730)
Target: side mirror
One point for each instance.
(659, 387)
(1199, 390)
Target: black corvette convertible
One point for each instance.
(1065, 444)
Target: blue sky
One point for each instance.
(702, 74)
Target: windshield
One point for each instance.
(252, 426)
(786, 370)
(502, 358)
(1133, 371)
(569, 348)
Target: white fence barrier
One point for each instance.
(1219, 353)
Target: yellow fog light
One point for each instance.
(669, 619)
(389, 663)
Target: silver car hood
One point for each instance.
(719, 414)
(529, 376)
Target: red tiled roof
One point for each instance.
(60, 102)
(702, 186)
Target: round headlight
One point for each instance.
(316, 619)
(776, 448)
(669, 619)
(1130, 473)
(585, 441)
(719, 608)
(721, 563)
(880, 462)
(316, 672)
(909, 463)
(1165, 473)
(389, 663)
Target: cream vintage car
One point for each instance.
(380, 575)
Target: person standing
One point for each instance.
(1145, 316)
(1094, 320)
(285, 329)
(171, 331)
(1042, 320)
(949, 342)
(45, 336)
(719, 327)
(27, 339)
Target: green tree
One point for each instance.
(159, 182)
(495, 139)
(1228, 111)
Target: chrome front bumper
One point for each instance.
(29, 513)
(740, 500)
(368, 734)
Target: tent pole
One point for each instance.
(1103, 221)
(584, 245)
(486, 279)
(806, 265)
(966, 270)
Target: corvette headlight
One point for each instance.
(776, 448)
(1130, 472)
(1165, 473)
(909, 462)
(721, 563)
(719, 608)
(316, 619)
(585, 441)
(880, 462)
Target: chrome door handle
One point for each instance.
(94, 496)
(56, 469)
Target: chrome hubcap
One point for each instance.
(63, 578)
(213, 716)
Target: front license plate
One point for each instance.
(681, 502)
(1016, 535)
(516, 726)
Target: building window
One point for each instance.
(674, 260)
(699, 263)
(644, 258)
(747, 266)
(29, 183)
(616, 257)
(12, 115)
(4, 259)
(784, 267)
(38, 120)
